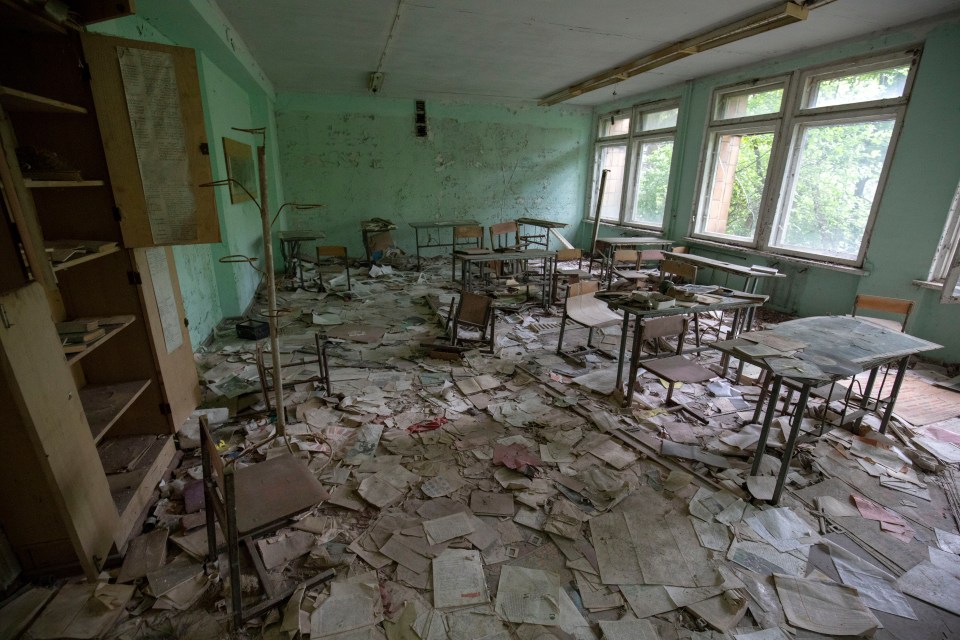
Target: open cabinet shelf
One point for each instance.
(16, 100)
(61, 184)
(112, 329)
(105, 403)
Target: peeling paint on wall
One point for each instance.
(360, 157)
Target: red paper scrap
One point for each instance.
(427, 425)
(890, 522)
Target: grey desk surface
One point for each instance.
(295, 234)
(720, 265)
(637, 241)
(443, 224)
(546, 224)
(531, 254)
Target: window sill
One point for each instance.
(626, 227)
(928, 284)
(779, 257)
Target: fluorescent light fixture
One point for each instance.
(779, 16)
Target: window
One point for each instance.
(644, 152)
(946, 262)
(796, 165)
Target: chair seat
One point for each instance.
(589, 311)
(583, 273)
(631, 274)
(678, 369)
(273, 490)
(473, 251)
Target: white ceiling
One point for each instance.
(508, 50)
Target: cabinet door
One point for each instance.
(147, 98)
(52, 421)
(163, 311)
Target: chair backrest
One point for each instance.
(474, 309)
(210, 455)
(472, 232)
(651, 255)
(330, 251)
(626, 255)
(582, 288)
(680, 250)
(897, 306)
(569, 255)
(664, 327)
(682, 270)
(504, 234)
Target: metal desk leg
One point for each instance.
(901, 371)
(623, 348)
(416, 233)
(634, 364)
(765, 430)
(791, 441)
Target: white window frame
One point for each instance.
(946, 261)
(788, 124)
(633, 140)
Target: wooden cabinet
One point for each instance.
(85, 436)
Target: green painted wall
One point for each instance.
(922, 181)
(235, 94)
(359, 156)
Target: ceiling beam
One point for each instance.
(779, 16)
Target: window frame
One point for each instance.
(945, 269)
(634, 139)
(789, 124)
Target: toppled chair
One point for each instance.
(475, 312)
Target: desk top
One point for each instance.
(529, 254)
(720, 265)
(546, 224)
(827, 347)
(297, 234)
(637, 241)
(443, 224)
(726, 302)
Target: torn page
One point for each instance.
(824, 607)
(528, 595)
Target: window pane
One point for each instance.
(613, 158)
(859, 87)
(737, 176)
(743, 105)
(834, 185)
(653, 174)
(614, 125)
(659, 119)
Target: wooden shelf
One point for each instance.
(15, 16)
(16, 100)
(61, 184)
(134, 467)
(105, 403)
(85, 258)
(112, 330)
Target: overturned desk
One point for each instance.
(810, 352)
(548, 261)
(437, 224)
(539, 239)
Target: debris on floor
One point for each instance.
(509, 495)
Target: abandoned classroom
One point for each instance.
(403, 320)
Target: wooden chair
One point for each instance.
(476, 312)
(639, 274)
(465, 238)
(674, 369)
(329, 254)
(583, 308)
(505, 236)
(323, 370)
(680, 250)
(678, 272)
(893, 306)
(568, 275)
(249, 502)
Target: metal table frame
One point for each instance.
(437, 224)
(630, 242)
(820, 326)
(549, 259)
(290, 249)
(735, 304)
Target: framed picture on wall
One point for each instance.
(242, 168)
